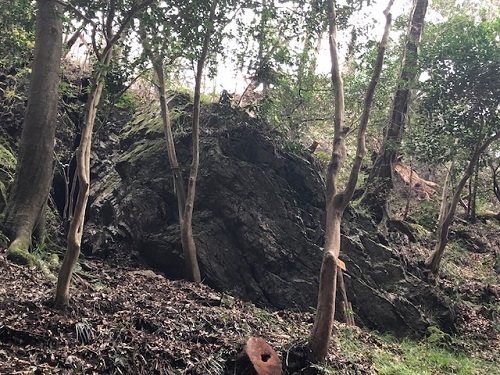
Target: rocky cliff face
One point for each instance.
(258, 220)
(257, 217)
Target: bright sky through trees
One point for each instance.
(229, 78)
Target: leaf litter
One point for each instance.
(129, 320)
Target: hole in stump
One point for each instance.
(265, 357)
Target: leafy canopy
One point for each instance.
(460, 100)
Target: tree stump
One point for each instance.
(257, 358)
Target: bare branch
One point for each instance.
(370, 93)
(73, 8)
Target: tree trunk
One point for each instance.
(75, 232)
(36, 148)
(167, 128)
(336, 202)
(325, 311)
(496, 185)
(433, 262)
(473, 198)
(188, 243)
(379, 182)
(187, 239)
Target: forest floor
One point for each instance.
(125, 319)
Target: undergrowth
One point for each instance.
(392, 356)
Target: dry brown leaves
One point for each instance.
(137, 322)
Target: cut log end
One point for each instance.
(258, 358)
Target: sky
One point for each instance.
(230, 79)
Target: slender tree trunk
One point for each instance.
(167, 127)
(473, 195)
(336, 202)
(185, 200)
(379, 182)
(496, 185)
(75, 231)
(188, 243)
(36, 148)
(325, 311)
(469, 201)
(433, 262)
(187, 239)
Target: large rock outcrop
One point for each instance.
(258, 220)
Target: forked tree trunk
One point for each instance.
(185, 201)
(336, 202)
(380, 179)
(433, 262)
(187, 239)
(75, 232)
(33, 177)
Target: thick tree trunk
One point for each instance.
(36, 149)
(336, 202)
(379, 182)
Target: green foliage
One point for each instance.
(485, 9)
(391, 356)
(17, 36)
(128, 101)
(13, 93)
(295, 107)
(7, 169)
(357, 80)
(438, 338)
(176, 30)
(459, 104)
(4, 240)
(426, 216)
(117, 77)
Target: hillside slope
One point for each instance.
(129, 320)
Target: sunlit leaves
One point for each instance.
(176, 29)
(460, 99)
(17, 33)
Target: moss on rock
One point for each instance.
(438, 338)
(18, 253)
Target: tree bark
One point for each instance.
(336, 202)
(75, 233)
(187, 238)
(36, 148)
(496, 185)
(433, 262)
(473, 195)
(167, 128)
(380, 179)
